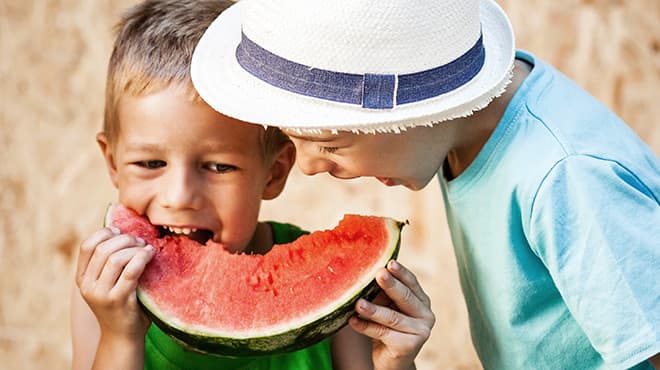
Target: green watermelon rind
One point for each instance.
(293, 340)
(286, 341)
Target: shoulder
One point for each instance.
(579, 178)
(586, 196)
(594, 226)
(604, 178)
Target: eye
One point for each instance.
(152, 164)
(219, 167)
(328, 149)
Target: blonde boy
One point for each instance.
(193, 171)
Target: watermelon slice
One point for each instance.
(217, 302)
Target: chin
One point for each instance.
(416, 185)
(413, 187)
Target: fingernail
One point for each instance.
(115, 230)
(149, 248)
(395, 266)
(139, 240)
(385, 276)
(363, 304)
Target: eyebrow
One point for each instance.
(156, 148)
(143, 147)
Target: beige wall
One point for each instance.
(53, 185)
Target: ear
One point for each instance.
(279, 171)
(108, 155)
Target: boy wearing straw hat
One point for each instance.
(198, 173)
(552, 201)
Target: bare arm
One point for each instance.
(119, 353)
(108, 326)
(85, 332)
(351, 351)
(89, 351)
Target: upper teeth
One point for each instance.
(177, 230)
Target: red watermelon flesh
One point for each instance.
(213, 295)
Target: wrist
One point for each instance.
(120, 351)
(122, 339)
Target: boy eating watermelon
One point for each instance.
(553, 203)
(192, 171)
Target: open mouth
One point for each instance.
(199, 235)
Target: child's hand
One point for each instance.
(109, 266)
(399, 320)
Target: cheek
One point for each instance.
(240, 202)
(306, 150)
(134, 197)
(239, 220)
(135, 193)
(370, 161)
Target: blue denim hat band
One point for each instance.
(374, 91)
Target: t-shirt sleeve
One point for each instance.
(596, 227)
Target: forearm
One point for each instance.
(395, 367)
(119, 353)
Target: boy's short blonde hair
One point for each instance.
(153, 49)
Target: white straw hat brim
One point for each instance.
(232, 91)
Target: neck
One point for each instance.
(473, 132)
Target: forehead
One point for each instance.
(171, 114)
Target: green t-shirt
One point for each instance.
(163, 353)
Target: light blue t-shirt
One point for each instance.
(556, 230)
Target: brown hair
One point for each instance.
(153, 48)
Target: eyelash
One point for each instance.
(152, 164)
(213, 167)
(328, 149)
(224, 167)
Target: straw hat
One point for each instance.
(361, 65)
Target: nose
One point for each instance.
(311, 164)
(181, 189)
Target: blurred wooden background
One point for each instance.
(54, 188)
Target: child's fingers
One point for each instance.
(408, 279)
(399, 345)
(87, 248)
(114, 266)
(131, 273)
(379, 332)
(402, 296)
(388, 318)
(105, 250)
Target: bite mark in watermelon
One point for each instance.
(218, 302)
